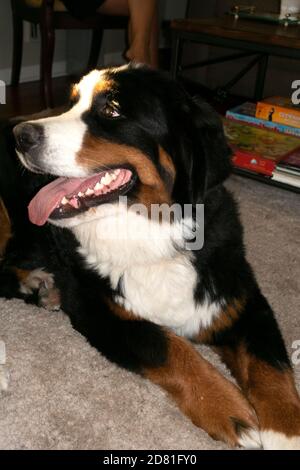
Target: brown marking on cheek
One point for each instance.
(5, 228)
(167, 164)
(226, 318)
(96, 153)
(201, 392)
(149, 195)
(272, 392)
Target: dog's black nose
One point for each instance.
(28, 135)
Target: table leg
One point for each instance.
(176, 49)
(260, 77)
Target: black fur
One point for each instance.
(154, 111)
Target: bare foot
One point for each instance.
(138, 55)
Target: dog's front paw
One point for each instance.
(229, 417)
(49, 298)
(241, 431)
(43, 282)
(273, 440)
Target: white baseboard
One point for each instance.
(30, 73)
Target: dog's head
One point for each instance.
(129, 131)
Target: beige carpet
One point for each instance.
(63, 395)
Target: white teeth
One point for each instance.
(117, 172)
(104, 180)
(114, 176)
(89, 192)
(80, 194)
(107, 179)
(64, 201)
(98, 186)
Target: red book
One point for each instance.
(256, 149)
(254, 163)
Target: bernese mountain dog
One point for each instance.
(141, 290)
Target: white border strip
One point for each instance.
(31, 73)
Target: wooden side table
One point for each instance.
(249, 38)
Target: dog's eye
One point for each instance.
(111, 109)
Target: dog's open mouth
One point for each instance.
(67, 197)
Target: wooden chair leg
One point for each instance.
(47, 52)
(95, 49)
(17, 49)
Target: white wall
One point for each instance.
(31, 50)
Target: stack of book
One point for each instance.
(265, 139)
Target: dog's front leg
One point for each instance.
(201, 392)
(254, 351)
(205, 396)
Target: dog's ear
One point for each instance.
(205, 154)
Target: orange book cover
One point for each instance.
(279, 109)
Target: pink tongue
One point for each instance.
(47, 199)
(50, 196)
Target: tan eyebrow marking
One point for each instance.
(74, 95)
(104, 85)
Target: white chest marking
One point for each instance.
(158, 282)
